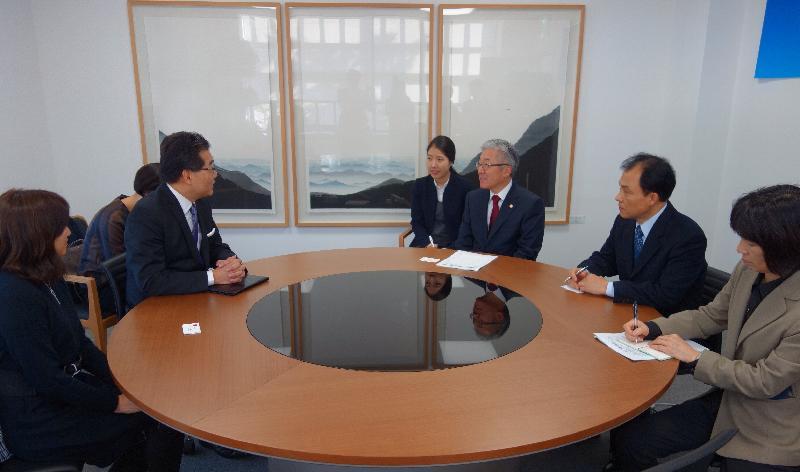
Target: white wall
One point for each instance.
(669, 77)
(763, 140)
(26, 157)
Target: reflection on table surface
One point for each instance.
(394, 320)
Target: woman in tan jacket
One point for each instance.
(757, 376)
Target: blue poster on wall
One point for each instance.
(779, 52)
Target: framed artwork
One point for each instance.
(513, 72)
(216, 68)
(360, 87)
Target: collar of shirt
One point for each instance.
(440, 189)
(182, 201)
(502, 193)
(648, 225)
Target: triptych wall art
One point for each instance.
(352, 102)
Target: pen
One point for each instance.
(430, 238)
(582, 269)
(635, 316)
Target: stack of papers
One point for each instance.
(637, 351)
(465, 260)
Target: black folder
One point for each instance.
(233, 289)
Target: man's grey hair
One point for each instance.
(506, 149)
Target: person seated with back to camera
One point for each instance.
(501, 217)
(106, 235)
(757, 376)
(58, 401)
(437, 200)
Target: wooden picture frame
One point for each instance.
(360, 83)
(513, 72)
(217, 68)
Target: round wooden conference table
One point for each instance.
(224, 386)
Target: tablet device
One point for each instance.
(233, 289)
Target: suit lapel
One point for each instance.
(627, 246)
(479, 215)
(653, 242)
(506, 209)
(771, 308)
(177, 213)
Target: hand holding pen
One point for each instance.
(432, 244)
(635, 331)
(575, 273)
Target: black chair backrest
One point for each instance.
(713, 283)
(115, 274)
(695, 456)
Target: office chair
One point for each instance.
(697, 456)
(112, 278)
(713, 283)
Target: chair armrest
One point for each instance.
(80, 279)
(401, 240)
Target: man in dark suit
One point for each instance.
(172, 244)
(501, 217)
(658, 253)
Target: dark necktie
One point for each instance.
(638, 243)
(495, 210)
(195, 226)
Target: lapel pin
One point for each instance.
(511, 205)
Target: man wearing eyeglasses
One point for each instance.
(501, 217)
(172, 244)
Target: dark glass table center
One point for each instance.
(394, 321)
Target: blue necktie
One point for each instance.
(638, 243)
(195, 226)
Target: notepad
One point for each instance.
(466, 260)
(637, 351)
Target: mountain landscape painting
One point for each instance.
(364, 182)
(242, 184)
(538, 158)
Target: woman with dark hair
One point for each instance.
(437, 201)
(757, 376)
(106, 235)
(57, 398)
(437, 285)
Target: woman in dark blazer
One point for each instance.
(437, 202)
(57, 398)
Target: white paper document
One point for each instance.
(637, 351)
(466, 260)
(571, 289)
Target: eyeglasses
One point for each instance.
(486, 165)
(212, 168)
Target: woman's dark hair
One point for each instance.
(181, 151)
(770, 217)
(657, 174)
(30, 222)
(444, 144)
(146, 179)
